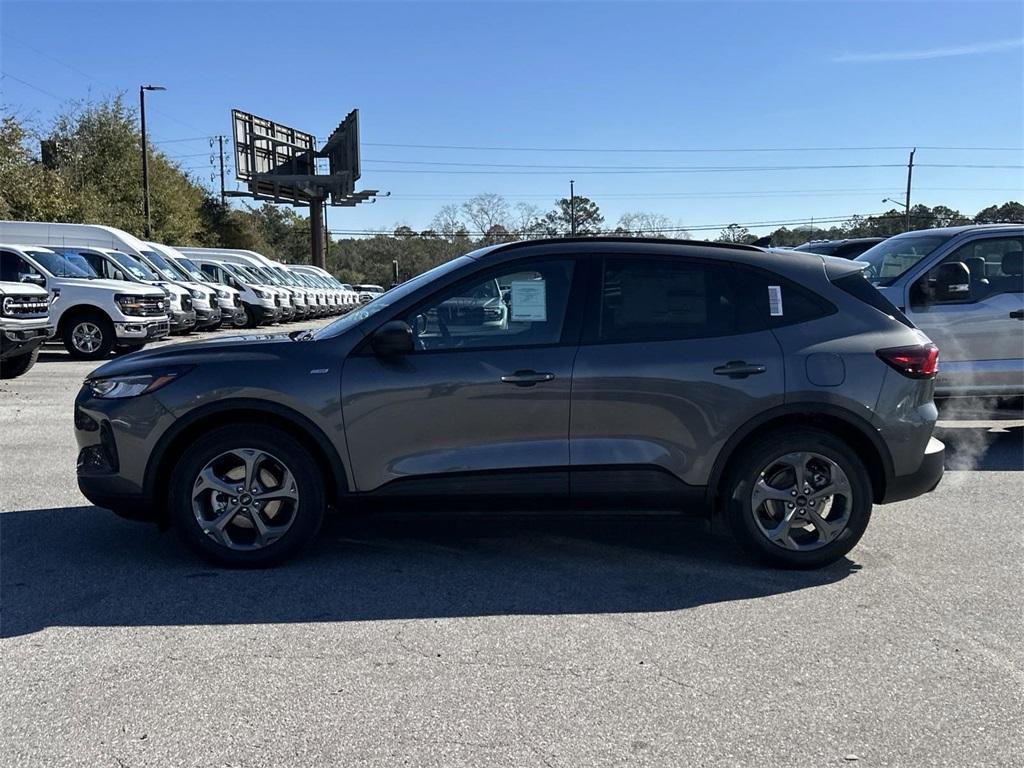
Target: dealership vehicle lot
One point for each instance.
(507, 642)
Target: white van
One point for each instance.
(261, 305)
(256, 264)
(91, 314)
(229, 300)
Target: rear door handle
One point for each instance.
(1017, 314)
(527, 378)
(737, 369)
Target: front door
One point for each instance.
(481, 407)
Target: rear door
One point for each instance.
(673, 360)
(980, 336)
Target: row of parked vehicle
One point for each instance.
(98, 289)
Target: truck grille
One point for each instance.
(277, 301)
(238, 300)
(186, 303)
(26, 306)
(150, 306)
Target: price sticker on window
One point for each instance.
(775, 300)
(529, 301)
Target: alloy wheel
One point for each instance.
(801, 501)
(87, 337)
(245, 499)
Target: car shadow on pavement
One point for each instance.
(82, 566)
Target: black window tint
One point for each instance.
(798, 304)
(663, 299)
(13, 268)
(858, 286)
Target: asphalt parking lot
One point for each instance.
(519, 643)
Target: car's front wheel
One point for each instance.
(247, 495)
(13, 367)
(799, 498)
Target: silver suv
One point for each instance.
(778, 391)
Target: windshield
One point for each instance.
(888, 260)
(242, 274)
(167, 270)
(188, 267)
(133, 266)
(59, 265)
(385, 300)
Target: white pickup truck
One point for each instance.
(90, 314)
(24, 326)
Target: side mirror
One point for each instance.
(34, 279)
(952, 281)
(392, 339)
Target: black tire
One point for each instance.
(98, 321)
(13, 367)
(745, 471)
(250, 319)
(307, 513)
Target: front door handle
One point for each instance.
(737, 369)
(527, 378)
(1017, 314)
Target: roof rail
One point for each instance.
(623, 239)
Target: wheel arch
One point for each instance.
(191, 427)
(848, 426)
(80, 310)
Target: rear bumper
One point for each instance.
(922, 481)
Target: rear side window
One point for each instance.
(779, 301)
(665, 299)
(858, 286)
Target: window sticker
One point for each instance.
(775, 300)
(529, 301)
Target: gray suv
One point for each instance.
(779, 392)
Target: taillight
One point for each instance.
(918, 362)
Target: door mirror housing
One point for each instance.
(952, 281)
(392, 339)
(34, 279)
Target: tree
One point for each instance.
(643, 224)
(486, 211)
(734, 233)
(1011, 212)
(558, 222)
(28, 190)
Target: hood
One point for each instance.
(222, 350)
(22, 289)
(121, 286)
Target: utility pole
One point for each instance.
(223, 197)
(145, 154)
(327, 236)
(572, 207)
(910, 175)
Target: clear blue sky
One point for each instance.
(607, 75)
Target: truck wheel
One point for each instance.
(799, 498)
(250, 319)
(247, 495)
(13, 367)
(88, 336)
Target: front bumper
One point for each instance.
(206, 318)
(925, 479)
(23, 338)
(142, 330)
(182, 320)
(233, 316)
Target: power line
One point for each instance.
(30, 85)
(629, 170)
(685, 150)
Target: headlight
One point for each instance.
(223, 294)
(119, 387)
(130, 305)
(261, 294)
(195, 294)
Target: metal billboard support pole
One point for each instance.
(316, 232)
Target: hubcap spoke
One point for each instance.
(764, 492)
(207, 480)
(780, 533)
(827, 530)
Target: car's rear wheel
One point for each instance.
(799, 498)
(247, 495)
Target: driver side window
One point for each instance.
(989, 266)
(516, 305)
(14, 269)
